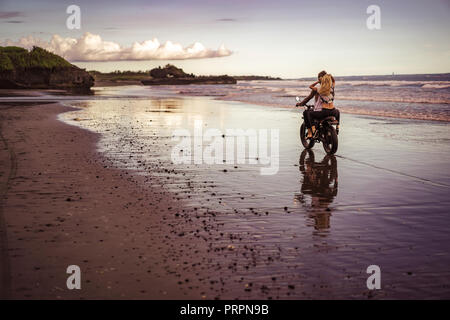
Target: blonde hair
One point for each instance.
(326, 82)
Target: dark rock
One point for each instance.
(169, 71)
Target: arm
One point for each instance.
(313, 86)
(306, 100)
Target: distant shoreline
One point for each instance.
(135, 77)
(112, 79)
(394, 77)
(143, 78)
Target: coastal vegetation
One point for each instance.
(39, 68)
(19, 58)
(169, 74)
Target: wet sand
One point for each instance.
(308, 232)
(62, 205)
(312, 229)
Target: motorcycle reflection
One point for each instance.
(319, 188)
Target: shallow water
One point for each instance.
(311, 229)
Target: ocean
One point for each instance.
(422, 97)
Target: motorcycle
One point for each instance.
(325, 133)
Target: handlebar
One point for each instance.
(307, 106)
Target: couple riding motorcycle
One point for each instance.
(323, 106)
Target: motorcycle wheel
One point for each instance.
(307, 143)
(330, 141)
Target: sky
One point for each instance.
(288, 39)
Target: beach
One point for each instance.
(90, 181)
(220, 159)
(63, 205)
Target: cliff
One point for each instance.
(39, 69)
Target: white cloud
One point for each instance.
(91, 47)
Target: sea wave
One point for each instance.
(351, 83)
(436, 85)
(395, 114)
(425, 100)
(421, 100)
(397, 83)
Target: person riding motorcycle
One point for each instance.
(324, 106)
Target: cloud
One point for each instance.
(91, 47)
(9, 14)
